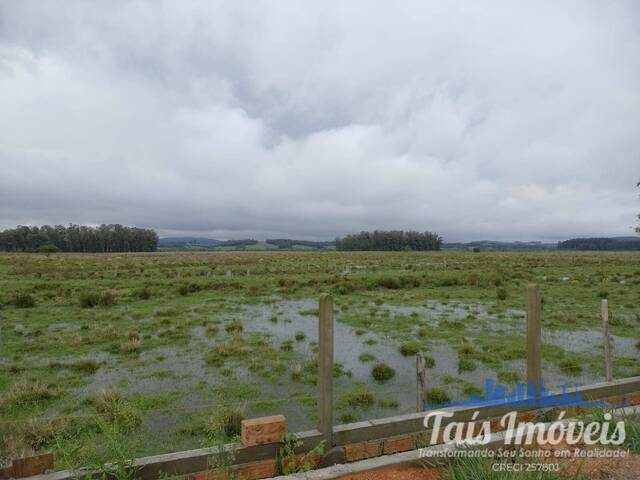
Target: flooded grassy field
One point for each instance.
(161, 352)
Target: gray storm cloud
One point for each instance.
(286, 118)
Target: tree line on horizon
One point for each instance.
(390, 240)
(610, 244)
(78, 238)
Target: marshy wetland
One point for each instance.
(160, 352)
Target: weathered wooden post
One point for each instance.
(534, 352)
(421, 375)
(608, 366)
(325, 370)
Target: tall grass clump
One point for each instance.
(366, 357)
(235, 326)
(437, 396)
(143, 293)
(24, 300)
(409, 348)
(570, 366)
(24, 392)
(86, 365)
(429, 362)
(466, 364)
(382, 372)
(232, 348)
(133, 345)
(117, 410)
(225, 421)
(632, 429)
(358, 396)
(93, 299)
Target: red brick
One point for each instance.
(632, 399)
(256, 470)
(362, 450)
(258, 431)
(211, 475)
(244, 471)
(399, 444)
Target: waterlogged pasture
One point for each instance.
(152, 353)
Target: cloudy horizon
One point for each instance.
(229, 119)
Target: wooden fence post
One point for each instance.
(534, 352)
(608, 366)
(421, 375)
(325, 370)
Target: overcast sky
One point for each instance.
(231, 119)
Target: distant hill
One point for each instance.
(186, 242)
(198, 243)
(604, 243)
(493, 246)
(286, 243)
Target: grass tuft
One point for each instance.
(25, 392)
(92, 299)
(234, 326)
(465, 364)
(225, 421)
(366, 357)
(382, 372)
(117, 410)
(409, 348)
(358, 396)
(86, 365)
(570, 366)
(131, 346)
(24, 300)
(437, 396)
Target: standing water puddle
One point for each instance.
(182, 368)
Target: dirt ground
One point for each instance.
(606, 469)
(627, 468)
(592, 468)
(407, 473)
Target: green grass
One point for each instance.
(437, 396)
(466, 364)
(409, 348)
(366, 357)
(359, 395)
(382, 372)
(173, 323)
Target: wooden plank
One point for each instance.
(608, 362)
(534, 350)
(29, 466)
(325, 370)
(421, 375)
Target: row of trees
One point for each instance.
(624, 243)
(392, 240)
(78, 238)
